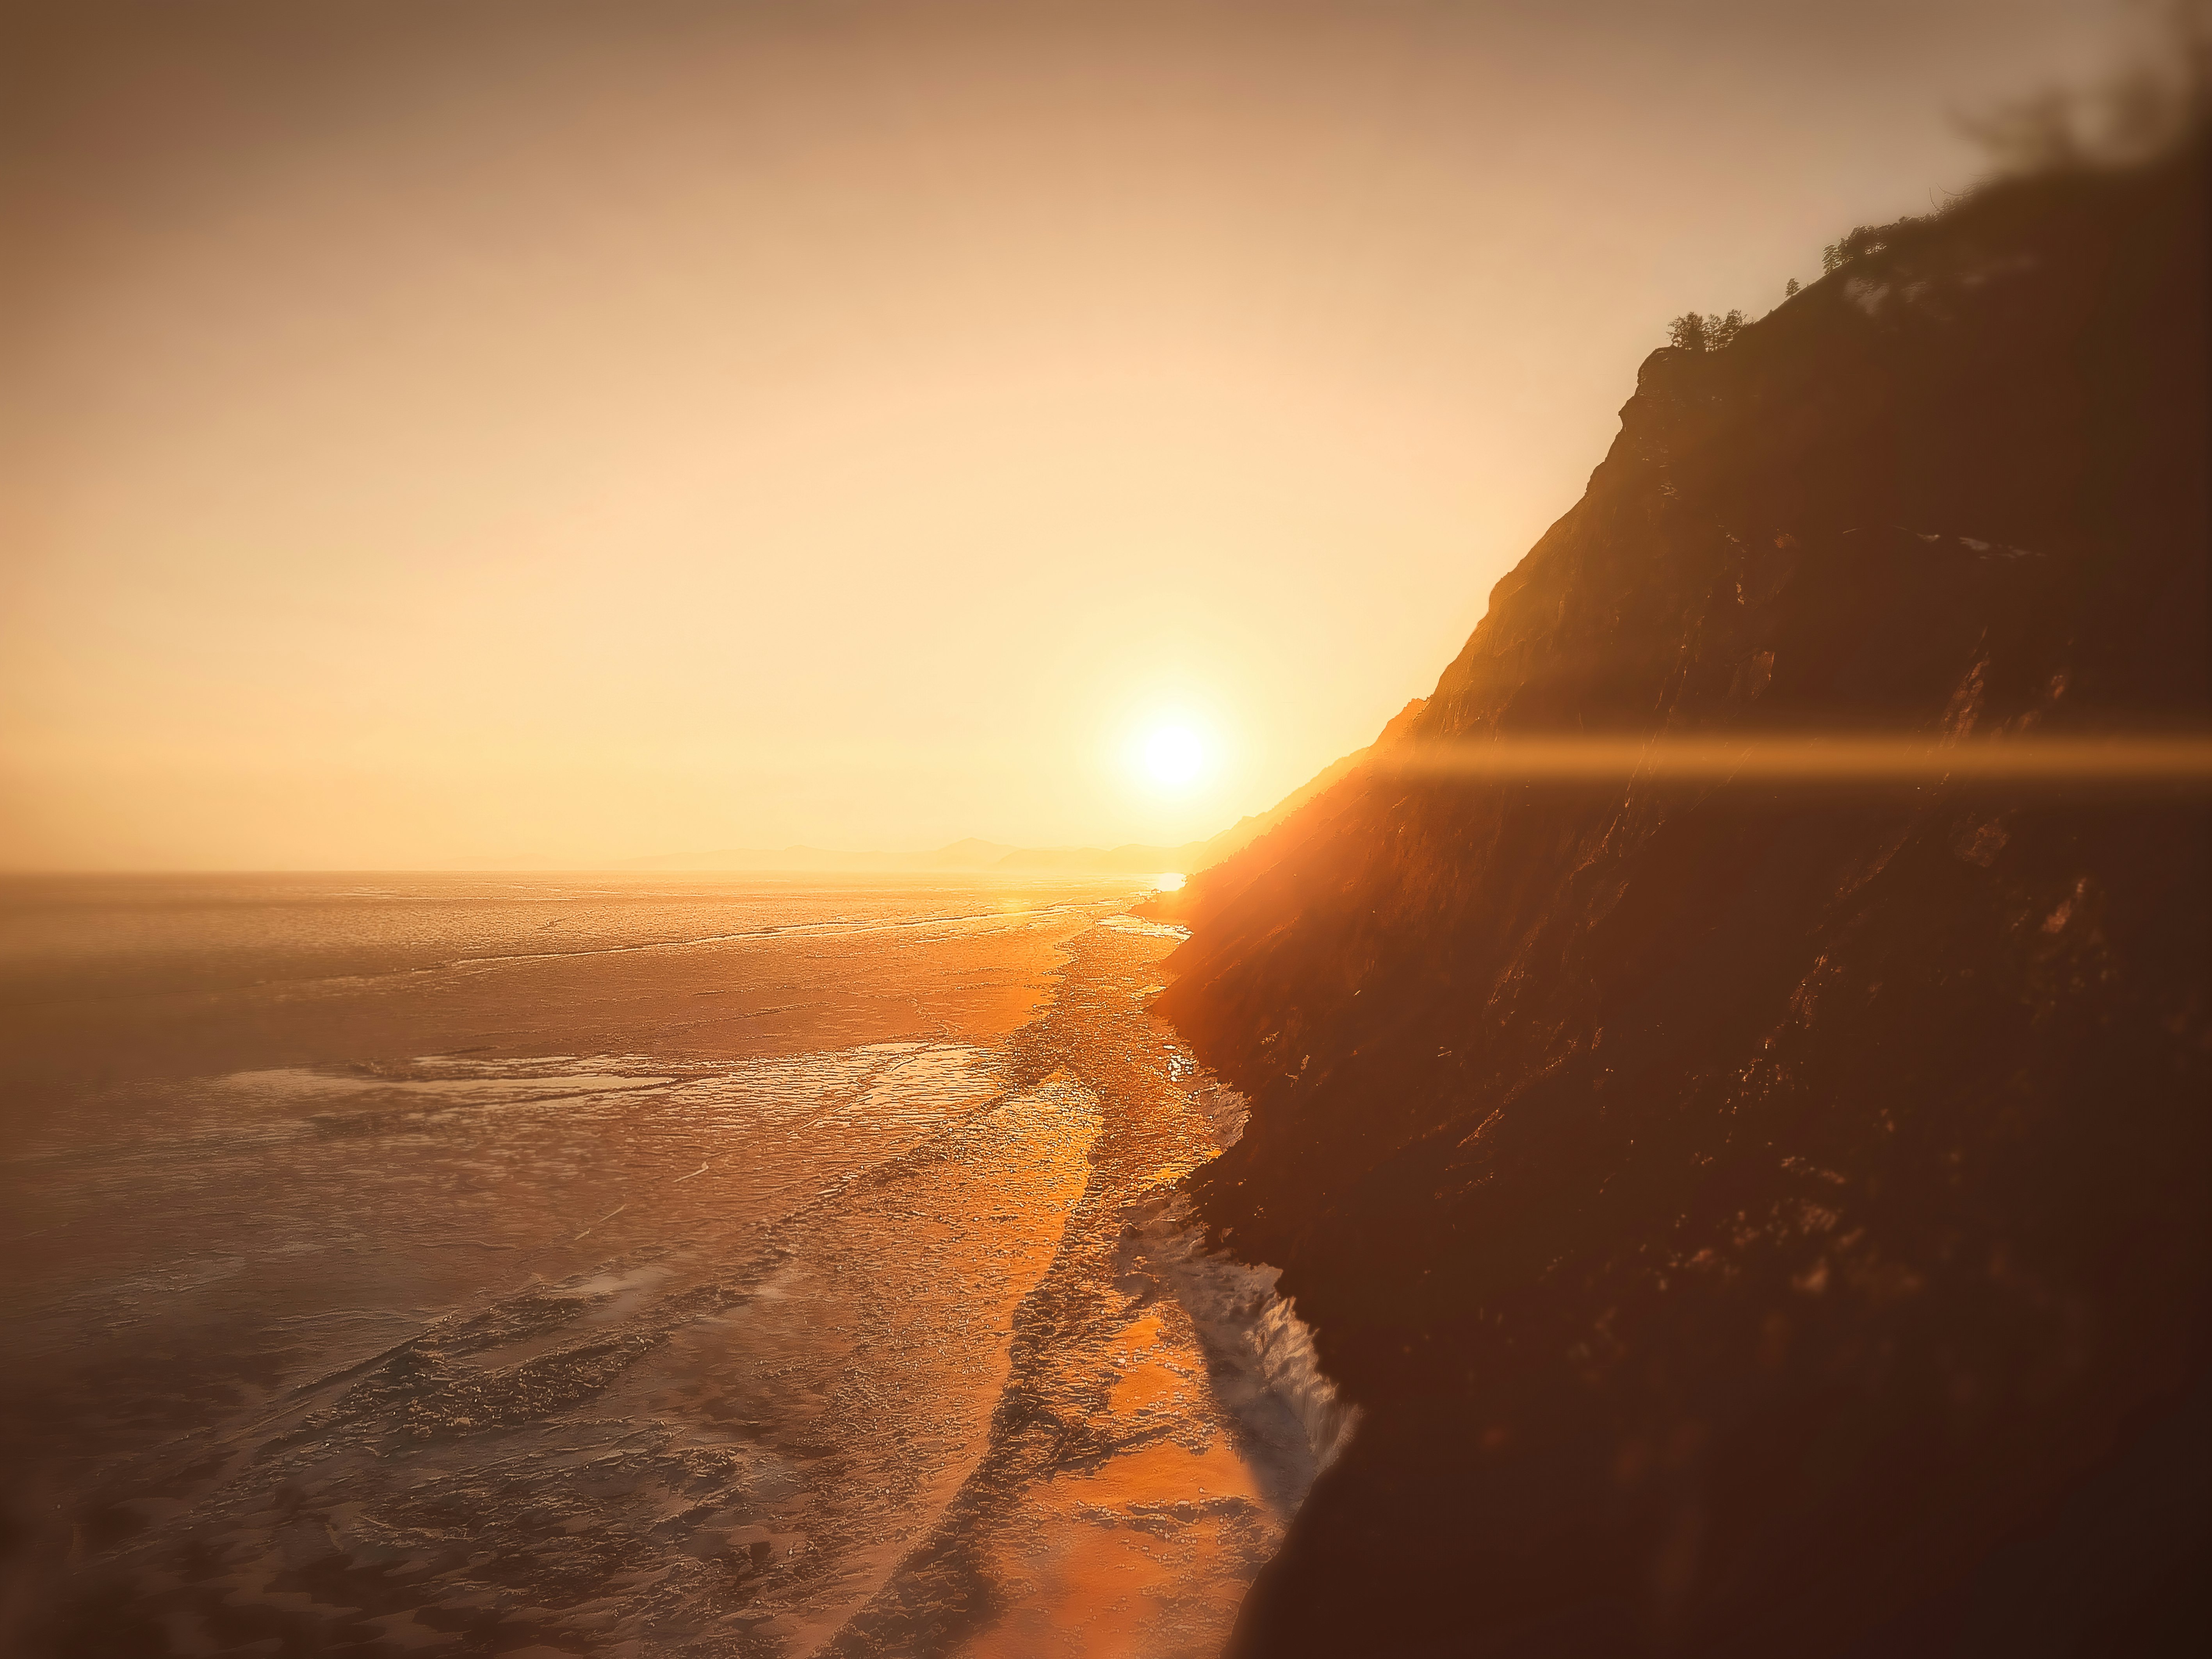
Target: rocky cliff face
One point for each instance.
(1758, 1217)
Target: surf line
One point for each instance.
(601, 1222)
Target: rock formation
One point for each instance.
(1757, 1216)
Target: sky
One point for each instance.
(478, 433)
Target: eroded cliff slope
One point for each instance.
(1757, 1217)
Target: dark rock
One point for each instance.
(1758, 1217)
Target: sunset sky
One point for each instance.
(467, 433)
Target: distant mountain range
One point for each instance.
(975, 854)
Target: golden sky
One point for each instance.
(447, 432)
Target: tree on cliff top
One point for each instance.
(1694, 332)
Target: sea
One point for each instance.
(621, 1265)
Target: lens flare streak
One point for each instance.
(1815, 758)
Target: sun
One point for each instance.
(1172, 752)
(1174, 755)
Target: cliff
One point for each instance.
(1757, 1216)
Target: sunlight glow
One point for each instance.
(1174, 755)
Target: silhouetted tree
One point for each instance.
(2161, 93)
(1862, 240)
(1789, 288)
(1694, 332)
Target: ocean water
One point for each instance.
(620, 1266)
